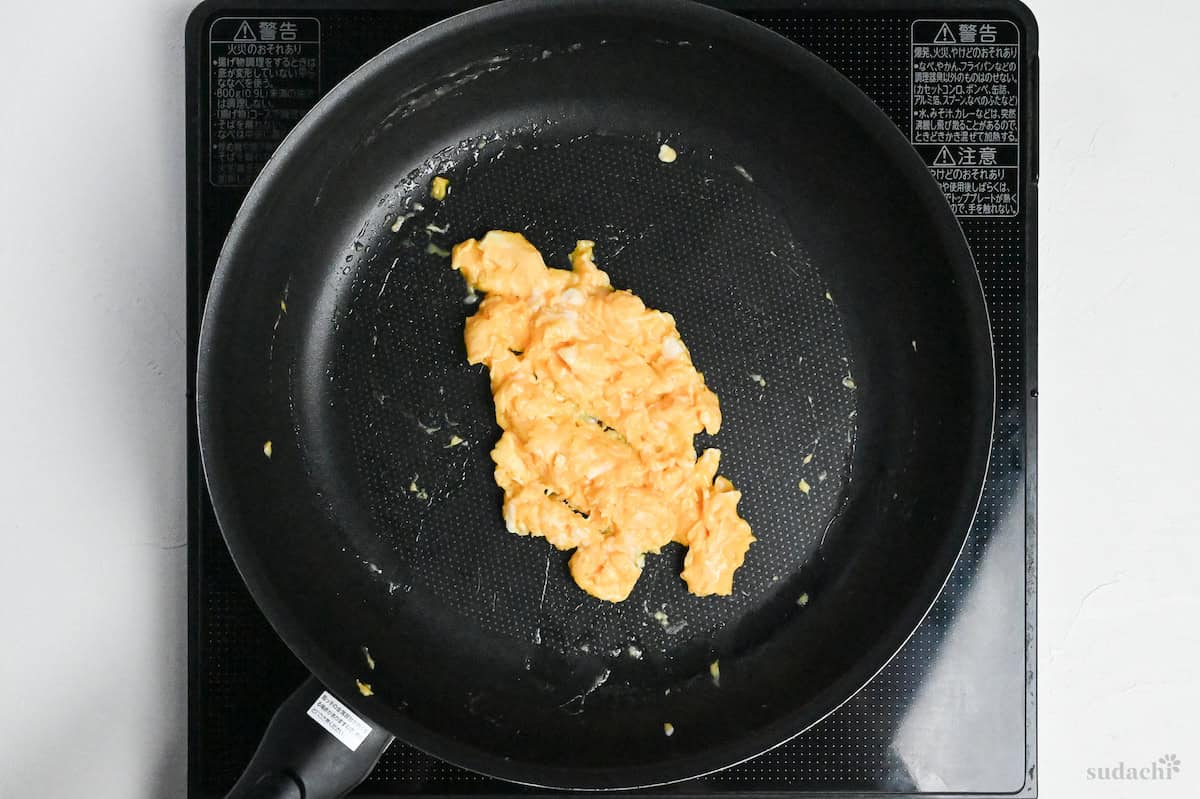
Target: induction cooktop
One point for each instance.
(953, 714)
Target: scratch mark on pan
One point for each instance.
(387, 277)
(582, 698)
(545, 582)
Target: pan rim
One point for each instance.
(892, 143)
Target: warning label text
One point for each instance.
(264, 74)
(966, 111)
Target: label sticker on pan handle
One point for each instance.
(339, 721)
(966, 111)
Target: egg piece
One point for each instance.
(599, 402)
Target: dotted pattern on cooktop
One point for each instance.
(244, 670)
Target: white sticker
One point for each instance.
(339, 721)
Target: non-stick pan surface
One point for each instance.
(815, 273)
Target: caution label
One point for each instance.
(339, 721)
(965, 118)
(264, 75)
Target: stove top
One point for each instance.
(953, 712)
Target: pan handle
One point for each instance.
(314, 748)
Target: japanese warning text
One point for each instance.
(966, 112)
(264, 74)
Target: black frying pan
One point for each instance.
(816, 274)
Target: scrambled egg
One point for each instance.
(599, 402)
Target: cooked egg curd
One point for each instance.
(599, 401)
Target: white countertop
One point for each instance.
(92, 561)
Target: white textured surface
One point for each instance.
(92, 573)
(1119, 547)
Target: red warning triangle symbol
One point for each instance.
(245, 33)
(945, 35)
(944, 157)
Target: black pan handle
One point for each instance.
(314, 748)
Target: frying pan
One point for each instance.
(818, 278)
